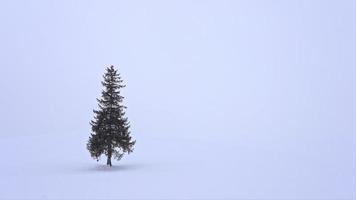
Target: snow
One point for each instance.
(247, 99)
(59, 167)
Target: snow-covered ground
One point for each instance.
(58, 166)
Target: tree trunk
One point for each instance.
(109, 159)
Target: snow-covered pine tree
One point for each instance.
(110, 128)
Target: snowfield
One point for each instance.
(232, 99)
(167, 167)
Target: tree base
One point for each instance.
(109, 162)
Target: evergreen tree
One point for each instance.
(110, 128)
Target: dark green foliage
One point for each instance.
(110, 128)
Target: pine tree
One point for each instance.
(110, 128)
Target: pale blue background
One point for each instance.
(279, 72)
